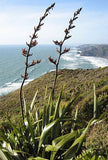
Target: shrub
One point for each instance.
(44, 133)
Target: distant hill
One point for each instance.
(93, 50)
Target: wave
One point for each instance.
(76, 61)
(68, 58)
(71, 56)
(16, 80)
(11, 86)
(97, 61)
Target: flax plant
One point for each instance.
(43, 136)
(26, 52)
(60, 44)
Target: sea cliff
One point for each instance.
(94, 50)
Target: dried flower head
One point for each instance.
(52, 60)
(66, 50)
(38, 61)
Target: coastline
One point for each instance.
(93, 50)
(10, 79)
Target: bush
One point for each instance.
(44, 133)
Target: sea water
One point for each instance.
(12, 64)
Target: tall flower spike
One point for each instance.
(60, 44)
(33, 42)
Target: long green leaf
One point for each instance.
(56, 131)
(66, 139)
(3, 137)
(69, 105)
(32, 103)
(95, 106)
(93, 158)
(56, 114)
(37, 158)
(44, 116)
(25, 107)
(15, 130)
(38, 123)
(59, 143)
(2, 156)
(31, 130)
(47, 114)
(52, 149)
(71, 152)
(76, 114)
(46, 129)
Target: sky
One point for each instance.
(18, 18)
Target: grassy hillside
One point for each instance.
(47, 123)
(75, 81)
(94, 50)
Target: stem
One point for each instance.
(56, 74)
(21, 101)
(21, 98)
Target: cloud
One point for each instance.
(17, 22)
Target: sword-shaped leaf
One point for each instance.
(46, 129)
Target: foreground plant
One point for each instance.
(22, 142)
(26, 52)
(60, 44)
(45, 134)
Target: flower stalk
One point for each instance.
(26, 52)
(60, 44)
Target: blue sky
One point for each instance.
(18, 17)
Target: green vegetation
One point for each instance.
(48, 133)
(75, 120)
(94, 50)
(98, 138)
(75, 81)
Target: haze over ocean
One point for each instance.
(12, 64)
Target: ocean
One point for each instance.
(12, 64)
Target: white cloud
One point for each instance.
(17, 22)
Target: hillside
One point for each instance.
(75, 81)
(94, 50)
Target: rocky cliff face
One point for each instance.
(93, 50)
